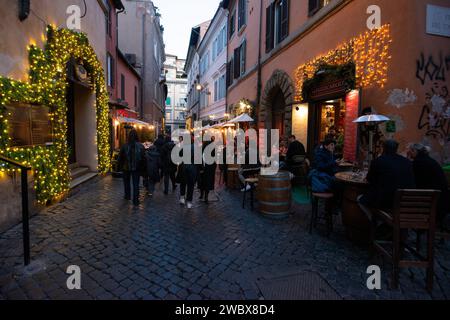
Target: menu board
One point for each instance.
(351, 129)
(29, 125)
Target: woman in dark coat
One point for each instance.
(430, 175)
(187, 176)
(153, 160)
(131, 162)
(208, 174)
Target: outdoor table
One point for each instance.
(356, 222)
(345, 166)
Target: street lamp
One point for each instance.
(199, 87)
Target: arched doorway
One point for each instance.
(276, 104)
(279, 112)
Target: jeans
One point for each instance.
(169, 176)
(128, 177)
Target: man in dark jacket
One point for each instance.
(159, 142)
(168, 167)
(131, 162)
(430, 175)
(153, 160)
(207, 173)
(296, 148)
(387, 174)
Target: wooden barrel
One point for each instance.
(274, 194)
(233, 178)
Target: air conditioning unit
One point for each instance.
(131, 58)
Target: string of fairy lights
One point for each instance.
(47, 86)
(369, 52)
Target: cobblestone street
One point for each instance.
(162, 251)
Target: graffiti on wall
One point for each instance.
(433, 73)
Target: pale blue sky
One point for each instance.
(178, 18)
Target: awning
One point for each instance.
(133, 121)
(242, 118)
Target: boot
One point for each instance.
(206, 197)
(201, 195)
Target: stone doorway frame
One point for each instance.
(279, 80)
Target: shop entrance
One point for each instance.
(329, 123)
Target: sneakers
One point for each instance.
(247, 188)
(189, 205)
(182, 201)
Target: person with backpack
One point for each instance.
(132, 164)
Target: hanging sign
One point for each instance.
(438, 20)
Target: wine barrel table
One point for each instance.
(233, 178)
(356, 222)
(274, 194)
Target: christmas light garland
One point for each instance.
(47, 86)
(369, 53)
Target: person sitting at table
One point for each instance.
(324, 168)
(295, 148)
(387, 174)
(429, 174)
(247, 169)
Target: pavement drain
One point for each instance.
(304, 286)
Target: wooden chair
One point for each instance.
(413, 210)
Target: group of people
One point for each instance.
(387, 174)
(153, 162)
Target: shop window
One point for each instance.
(277, 23)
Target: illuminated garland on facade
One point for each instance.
(369, 52)
(47, 86)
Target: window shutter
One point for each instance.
(314, 6)
(237, 62)
(228, 74)
(243, 56)
(284, 19)
(270, 28)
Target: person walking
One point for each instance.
(131, 162)
(187, 176)
(208, 172)
(168, 167)
(153, 162)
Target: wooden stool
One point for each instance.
(252, 183)
(315, 199)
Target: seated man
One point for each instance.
(296, 148)
(387, 174)
(430, 175)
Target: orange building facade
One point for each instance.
(310, 68)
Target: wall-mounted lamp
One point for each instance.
(24, 9)
(199, 87)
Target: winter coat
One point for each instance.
(208, 172)
(325, 162)
(166, 158)
(131, 157)
(187, 172)
(153, 159)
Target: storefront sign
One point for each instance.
(29, 125)
(329, 90)
(351, 129)
(126, 114)
(438, 20)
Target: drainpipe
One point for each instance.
(259, 85)
(144, 61)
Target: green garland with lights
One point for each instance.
(47, 86)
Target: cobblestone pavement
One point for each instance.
(162, 251)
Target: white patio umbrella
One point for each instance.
(242, 118)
